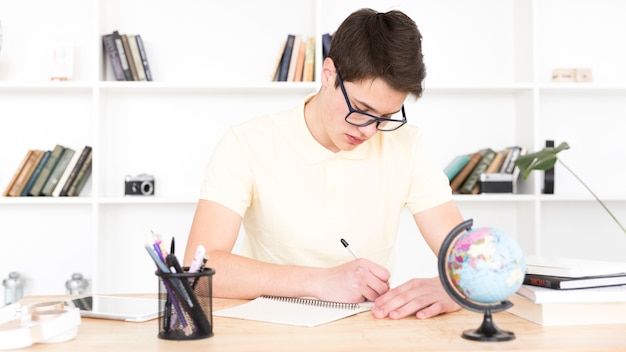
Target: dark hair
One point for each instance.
(370, 44)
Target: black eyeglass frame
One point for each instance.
(374, 118)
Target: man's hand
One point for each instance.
(425, 298)
(355, 281)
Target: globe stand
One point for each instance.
(488, 331)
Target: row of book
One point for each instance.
(60, 172)
(566, 291)
(127, 56)
(484, 171)
(296, 61)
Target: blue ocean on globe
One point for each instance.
(486, 265)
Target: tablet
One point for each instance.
(133, 309)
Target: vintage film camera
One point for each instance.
(140, 185)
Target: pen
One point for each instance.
(345, 244)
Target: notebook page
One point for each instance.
(293, 311)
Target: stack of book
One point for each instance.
(563, 291)
(127, 56)
(57, 172)
(484, 171)
(296, 60)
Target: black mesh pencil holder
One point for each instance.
(186, 305)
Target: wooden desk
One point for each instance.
(361, 332)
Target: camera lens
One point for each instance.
(147, 188)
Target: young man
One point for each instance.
(342, 164)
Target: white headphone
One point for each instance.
(48, 322)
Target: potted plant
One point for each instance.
(544, 160)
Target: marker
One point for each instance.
(345, 244)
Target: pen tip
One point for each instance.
(344, 242)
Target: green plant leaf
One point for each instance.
(540, 160)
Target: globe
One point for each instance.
(480, 269)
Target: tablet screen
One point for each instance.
(116, 307)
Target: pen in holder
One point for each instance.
(185, 304)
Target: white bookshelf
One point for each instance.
(488, 84)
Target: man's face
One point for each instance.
(372, 96)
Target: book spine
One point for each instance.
(509, 164)
(144, 57)
(58, 170)
(293, 61)
(120, 48)
(17, 173)
(114, 56)
(47, 170)
(25, 175)
(81, 177)
(286, 58)
(472, 180)
(134, 50)
(72, 176)
(456, 165)
(308, 72)
(35, 176)
(129, 58)
(326, 39)
(458, 180)
(548, 282)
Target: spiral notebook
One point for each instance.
(293, 310)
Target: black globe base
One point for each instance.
(488, 331)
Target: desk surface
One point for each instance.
(361, 332)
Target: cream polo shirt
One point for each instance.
(298, 199)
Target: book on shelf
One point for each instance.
(283, 68)
(293, 60)
(293, 310)
(572, 267)
(300, 60)
(110, 48)
(308, 72)
(508, 166)
(144, 57)
(569, 313)
(460, 177)
(487, 155)
(66, 173)
(81, 178)
(25, 173)
(120, 49)
(43, 177)
(455, 165)
(84, 155)
(129, 58)
(57, 172)
(17, 173)
(568, 283)
(326, 39)
(134, 51)
(36, 172)
(496, 163)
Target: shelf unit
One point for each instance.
(488, 84)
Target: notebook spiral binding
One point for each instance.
(314, 302)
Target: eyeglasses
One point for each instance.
(361, 118)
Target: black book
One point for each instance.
(565, 283)
(286, 58)
(108, 40)
(74, 173)
(144, 57)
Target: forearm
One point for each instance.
(241, 277)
